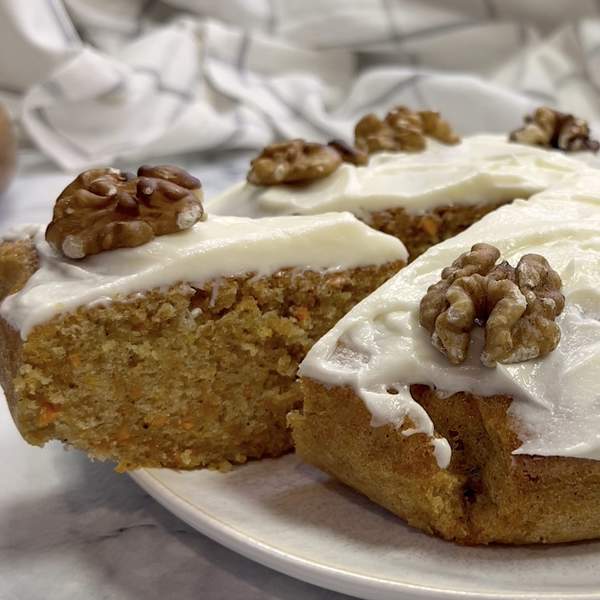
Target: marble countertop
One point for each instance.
(73, 529)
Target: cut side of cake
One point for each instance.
(484, 438)
(180, 351)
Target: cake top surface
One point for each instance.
(380, 348)
(480, 169)
(217, 247)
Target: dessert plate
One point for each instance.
(293, 518)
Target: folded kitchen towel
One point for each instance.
(94, 81)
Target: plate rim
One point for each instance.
(310, 571)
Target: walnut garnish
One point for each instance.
(292, 162)
(437, 128)
(349, 154)
(105, 209)
(517, 305)
(402, 130)
(553, 129)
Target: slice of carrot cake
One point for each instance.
(141, 331)
(463, 395)
(410, 176)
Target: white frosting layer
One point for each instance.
(220, 246)
(380, 347)
(482, 169)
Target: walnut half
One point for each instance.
(402, 130)
(553, 129)
(293, 161)
(517, 306)
(105, 209)
(297, 161)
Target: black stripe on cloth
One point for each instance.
(586, 73)
(297, 111)
(388, 10)
(539, 95)
(145, 8)
(8, 89)
(185, 97)
(230, 138)
(491, 9)
(592, 51)
(161, 86)
(53, 88)
(421, 33)
(113, 90)
(522, 66)
(569, 77)
(412, 59)
(242, 55)
(40, 114)
(272, 16)
(419, 95)
(62, 20)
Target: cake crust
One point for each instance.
(486, 495)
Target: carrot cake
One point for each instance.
(422, 185)
(141, 331)
(463, 394)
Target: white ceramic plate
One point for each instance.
(294, 519)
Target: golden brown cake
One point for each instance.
(479, 430)
(179, 348)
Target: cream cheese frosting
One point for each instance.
(481, 169)
(379, 348)
(220, 246)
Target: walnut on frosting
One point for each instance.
(348, 153)
(402, 130)
(517, 306)
(553, 129)
(293, 161)
(439, 129)
(106, 209)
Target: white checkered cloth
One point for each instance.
(96, 81)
